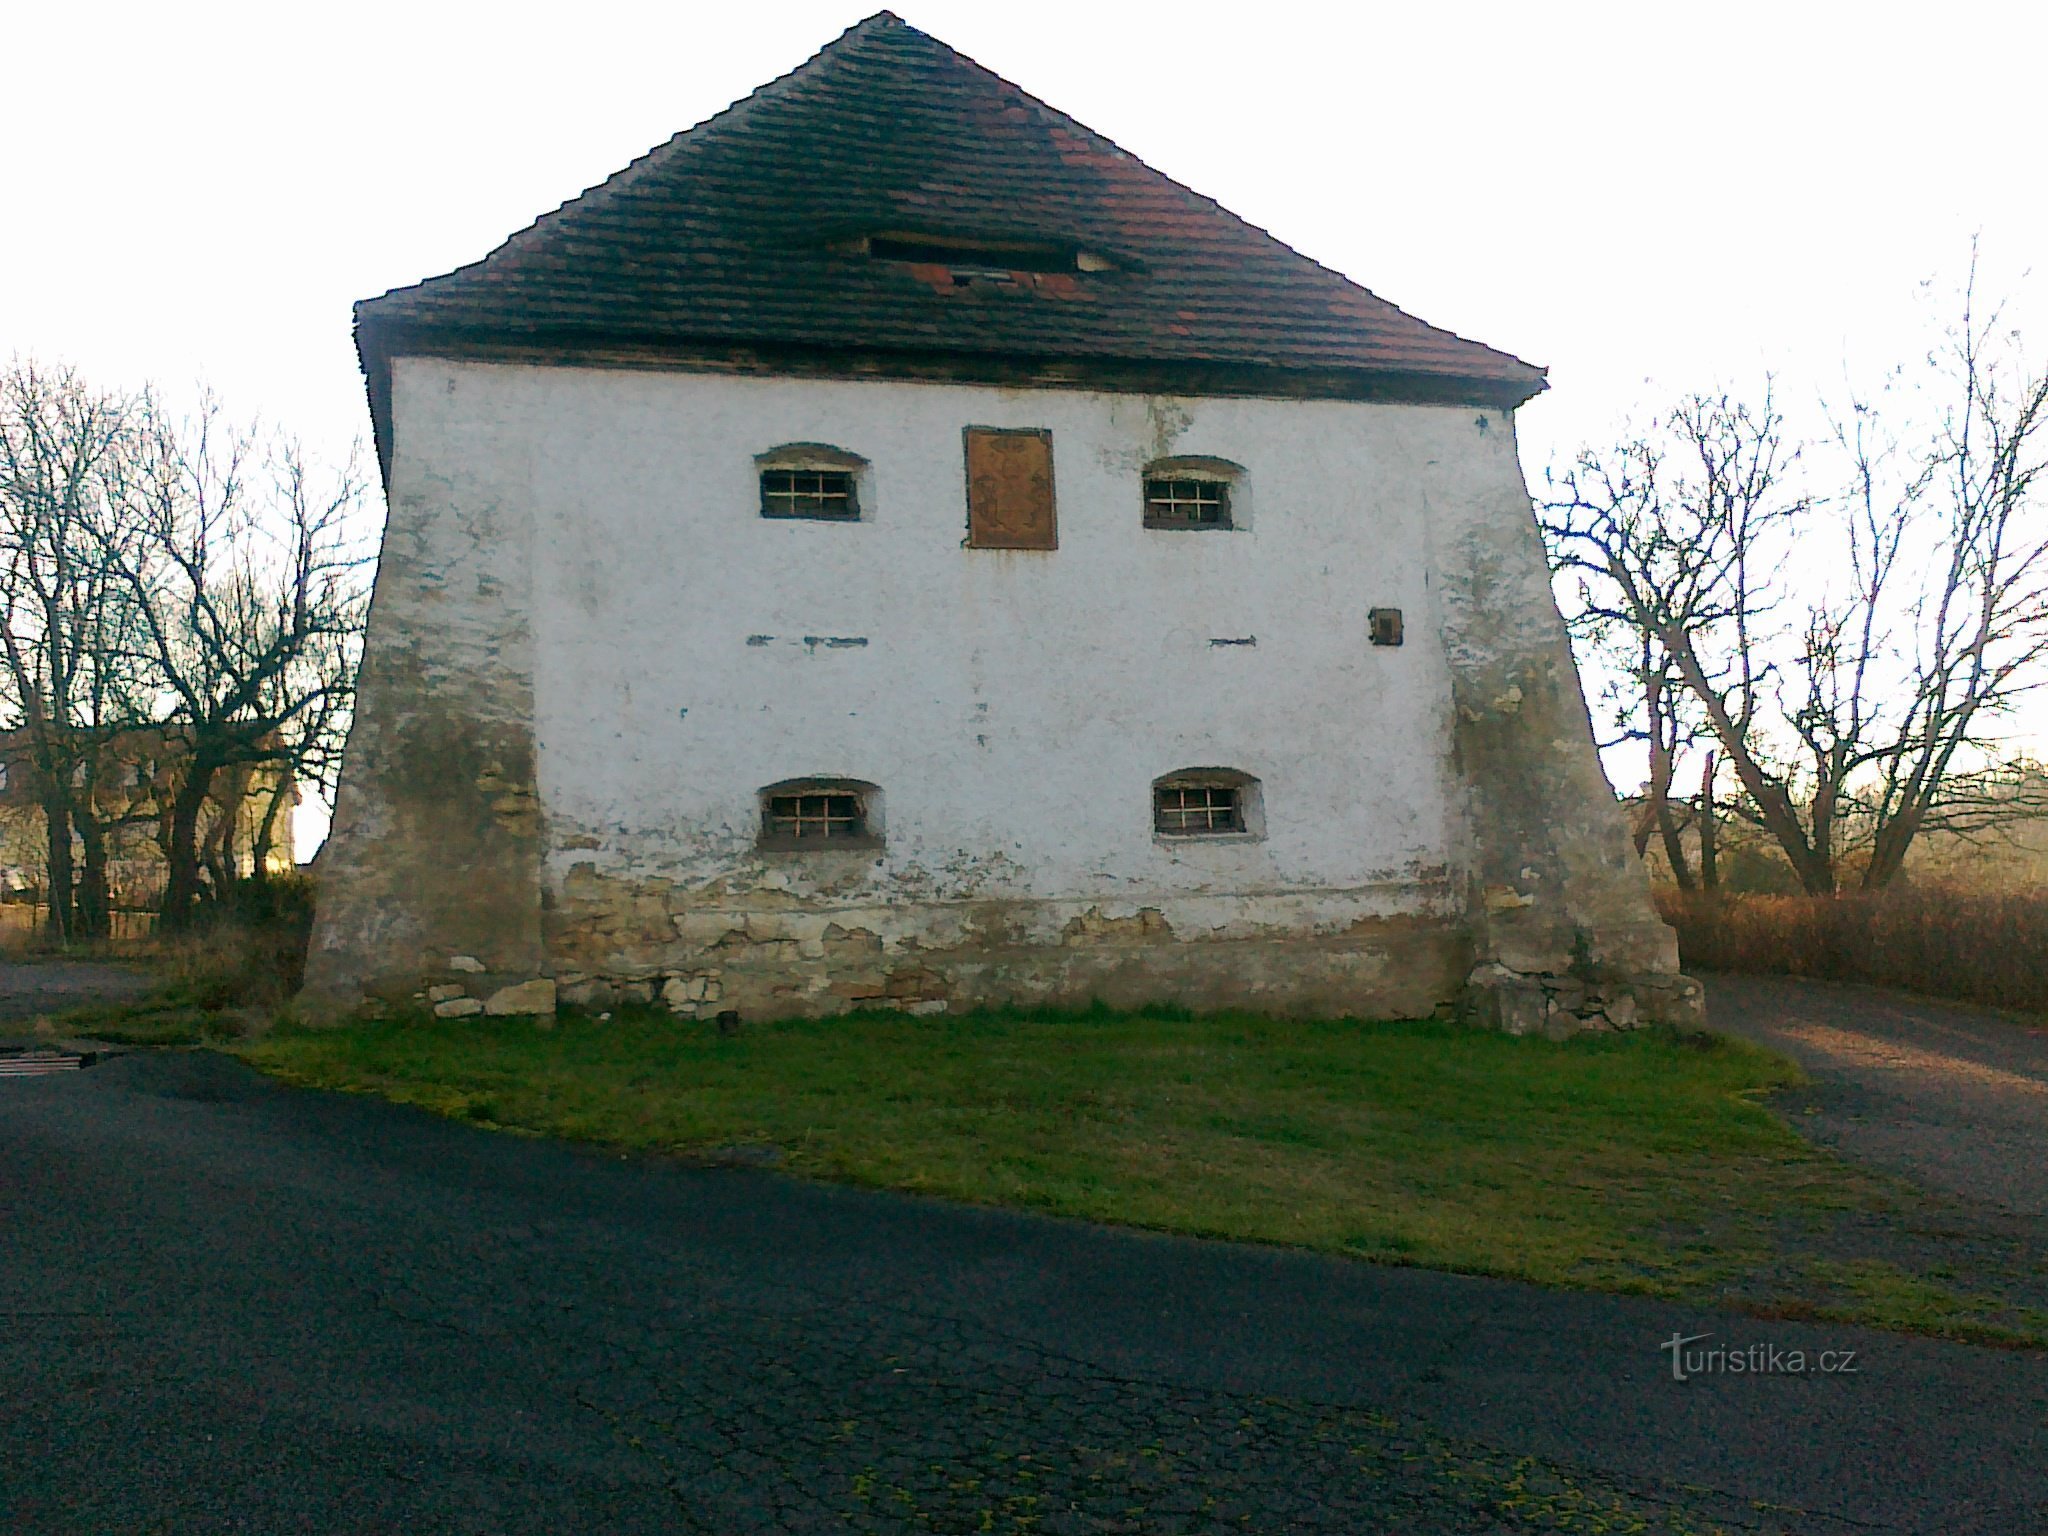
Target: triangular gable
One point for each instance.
(797, 228)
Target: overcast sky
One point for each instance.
(1644, 198)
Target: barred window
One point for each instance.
(1206, 802)
(1193, 491)
(823, 817)
(1187, 504)
(815, 493)
(814, 482)
(805, 814)
(1188, 810)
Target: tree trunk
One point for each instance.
(1818, 877)
(95, 907)
(217, 848)
(1660, 779)
(1811, 860)
(181, 853)
(1710, 832)
(266, 832)
(1888, 849)
(57, 817)
(1674, 846)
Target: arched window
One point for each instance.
(1207, 803)
(1193, 493)
(820, 816)
(812, 481)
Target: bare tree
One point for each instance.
(1662, 543)
(250, 573)
(1640, 702)
(1851, 655)
(1964, 532)
(65, 615)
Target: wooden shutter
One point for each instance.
(1009, 489)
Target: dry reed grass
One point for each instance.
(1973, 946)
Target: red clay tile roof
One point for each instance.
(736, 235)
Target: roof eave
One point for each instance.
(1509, 385)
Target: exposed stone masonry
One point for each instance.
(767, 952)
(1558, 1006)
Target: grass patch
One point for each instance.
(167, 1016)
(218, 982)
(1638, 1163)
(191, 1010)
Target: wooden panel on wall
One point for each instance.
(1009, 489)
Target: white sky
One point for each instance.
(1644, 197)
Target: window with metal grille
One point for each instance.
(1186, 503)
(829, 816)
(815, 493)
(1196, 810)
(820, 815)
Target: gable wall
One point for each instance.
(577, 570)
(1014, 708)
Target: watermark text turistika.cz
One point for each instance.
(1688, 1361)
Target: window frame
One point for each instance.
(814, 459)
(1247, 799)
(1198, 469)
(868, 800)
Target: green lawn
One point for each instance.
(1640, 1163)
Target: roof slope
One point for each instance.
(734, 235)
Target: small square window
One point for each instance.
(1196, 810)
(1186, 503)
(825, 494)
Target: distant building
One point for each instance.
(247, 820)
(890, 547)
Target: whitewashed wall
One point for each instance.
(1014, 707)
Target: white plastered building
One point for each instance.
(889, 547)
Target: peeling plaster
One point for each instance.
(1428, 808)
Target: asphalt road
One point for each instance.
(49, 986)
(229, 1306)
(1952, 1098)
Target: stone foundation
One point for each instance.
(615, 942)
(1393, 968)
(1559, 1005)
